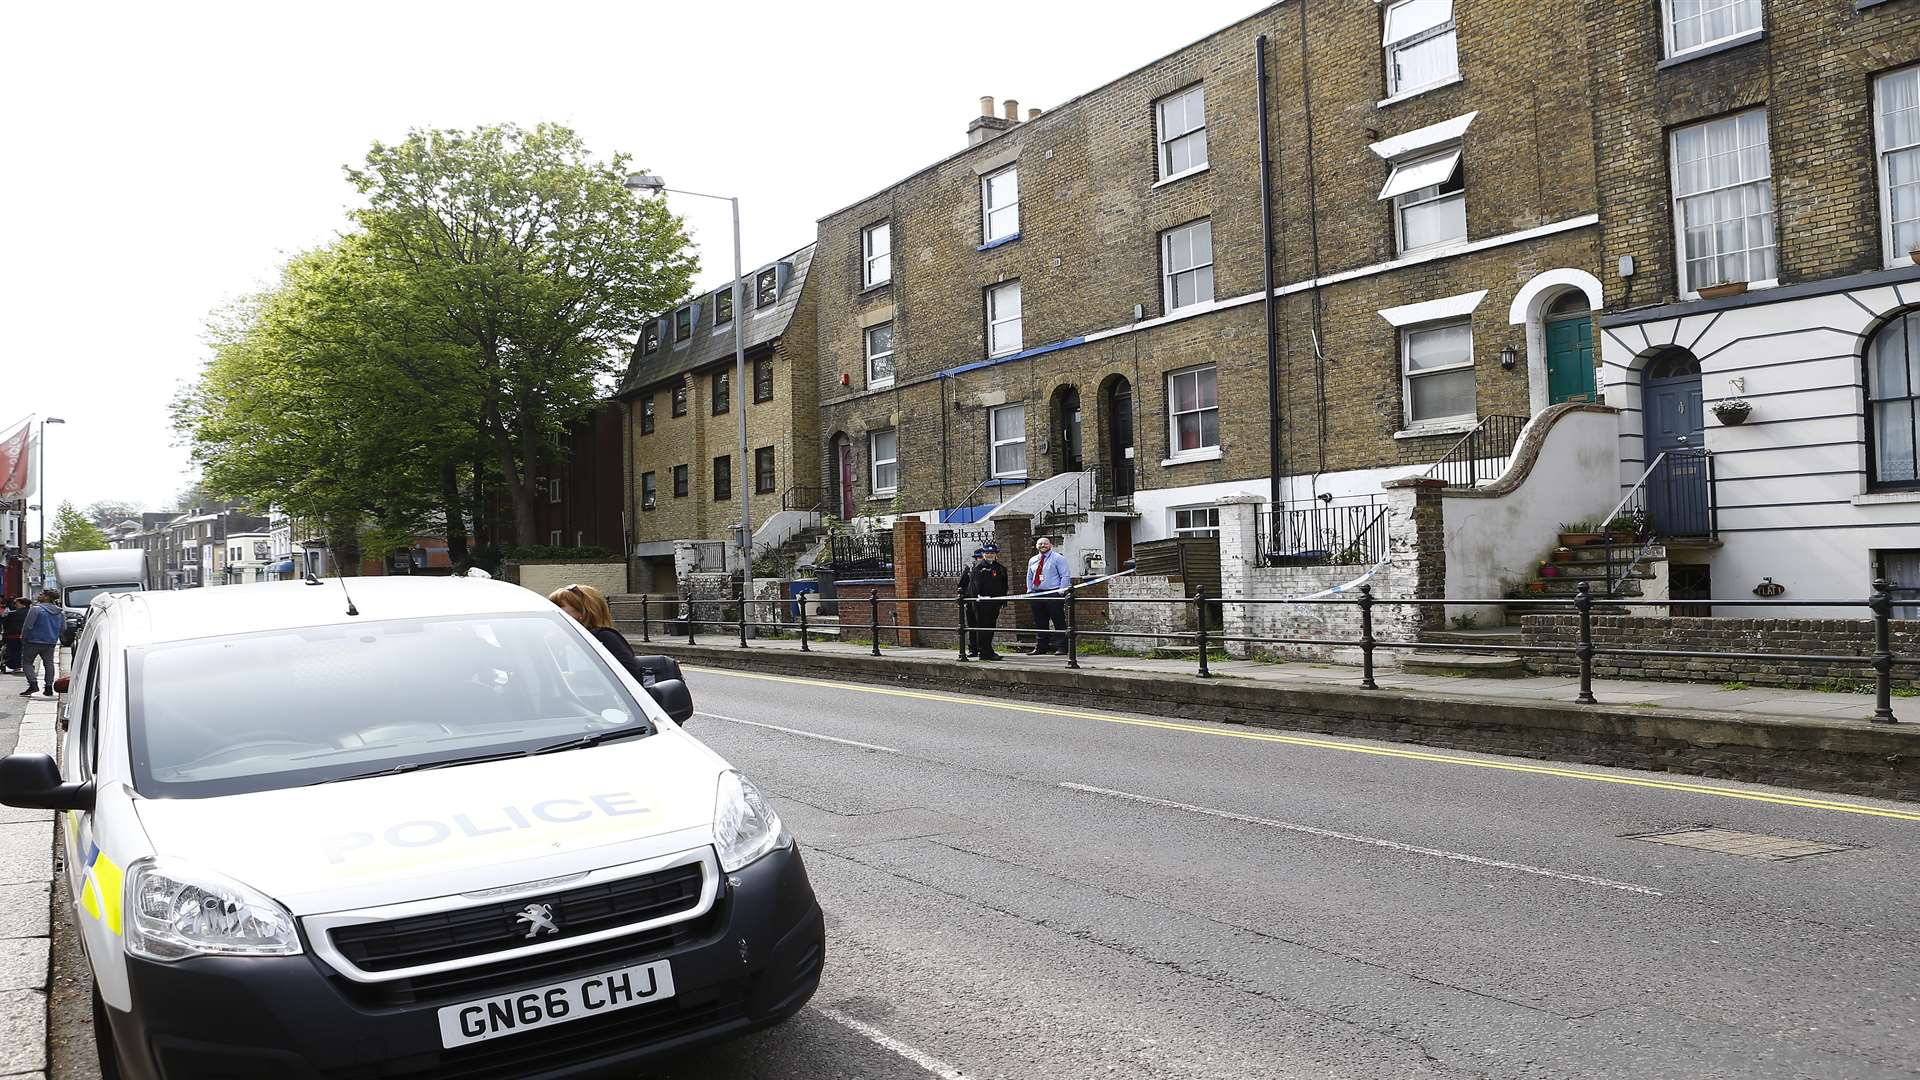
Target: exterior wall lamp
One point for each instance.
(1508, 357)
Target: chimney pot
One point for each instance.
(1013, 110)
(1033, 114)
(986, 106)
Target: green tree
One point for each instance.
(110, 512)
(535, 268)
(301, 406)
(73, 532)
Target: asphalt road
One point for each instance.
(1028, 891)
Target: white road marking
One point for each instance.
(797, 731)
(881, 1039)
(1392, 845)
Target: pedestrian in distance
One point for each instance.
(1047, 580)
(588, 606)
(983, 584)
(11, 624)
(40, 639)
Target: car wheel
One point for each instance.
(103, 1044)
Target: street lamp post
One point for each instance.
(651, 183)
(44, 421)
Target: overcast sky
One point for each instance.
(166, 158)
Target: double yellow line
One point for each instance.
(1799, 801)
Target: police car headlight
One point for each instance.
(175, 911)
(744, 826)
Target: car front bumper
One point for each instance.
(756, 960)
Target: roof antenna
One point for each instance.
(351, 610)
(310, 579)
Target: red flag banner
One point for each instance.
(16, 463)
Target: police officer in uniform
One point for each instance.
(983, 583)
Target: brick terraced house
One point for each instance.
(1071, 313)
(1760, 196)
(684, 476)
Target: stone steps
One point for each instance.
(1479, 665)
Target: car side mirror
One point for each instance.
(32, 781)
(673, 696)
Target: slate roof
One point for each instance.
(708, 346)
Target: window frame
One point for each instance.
(647, 414)
(766, 288)
(1910, 316)
(869, 258)
(1407, 375)
(1683, 281)
(1163, 143)
(1168, 275)
(762, 379)
(875, 382)
(874, 461)
(993, 293)
(1205, 450)
(678, 398)
(682, 481)
(995, 441)
(723, 299)
(988, 210)
(720, 391)
(1884, 179)
(682, 315)
(723, 478)
(1441, 193)
(650, 338)
(553, 490)
(1212, 516)
(767, 481)
(1388, 49)
(1667, 50)
(649, 491)
(1903, 607)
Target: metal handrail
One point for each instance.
(807, 498)
(1464, 455)
(966, 500)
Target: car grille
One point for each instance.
(483, 980)
(471, 932)
(578, 1042)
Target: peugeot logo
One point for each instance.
(538, 917)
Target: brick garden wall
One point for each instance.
(1831, 637)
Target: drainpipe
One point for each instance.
(1266, 276)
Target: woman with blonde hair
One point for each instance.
(588, 606)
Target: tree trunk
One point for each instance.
(450, 501)
(343, 544)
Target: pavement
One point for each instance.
(26, 874)
(1642, 693)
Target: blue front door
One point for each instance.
(1676, 426)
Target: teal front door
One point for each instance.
(1570, 359)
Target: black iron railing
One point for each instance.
(1323, 533)
(859, 552)
(950, 550)
(798, 497)
(751, 618)
(1481, 455)
(1672, 501)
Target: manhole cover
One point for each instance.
(1745, 845)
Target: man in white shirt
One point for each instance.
(1047, 573)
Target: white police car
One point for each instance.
(429, 829)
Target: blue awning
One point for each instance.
(284, 566)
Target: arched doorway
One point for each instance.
(1065, 422)
(840, 461)
(1569, 340)
(1675, 426)
(1116, 449)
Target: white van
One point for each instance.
(404, 827)
(84, 575)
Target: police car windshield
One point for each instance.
(255, 712)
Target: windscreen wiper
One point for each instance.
(595, 738)
(421, 766)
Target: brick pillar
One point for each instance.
(1014, 534)
(1239, 554)
(1417, 538)
(909, 566)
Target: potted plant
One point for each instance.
(1914, 255)
(1578, 533)
(1725, 288)
(1732, 411)
(1548, 569)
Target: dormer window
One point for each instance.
(650, 338)
(683, 324)
(723, 306)
(766, 287)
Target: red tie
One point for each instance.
(1039, 565)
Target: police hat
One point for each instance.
(990, 548)
(976, 552)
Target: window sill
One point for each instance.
(875, 286)
(1886, 498)
(1164, 181)
(1440, 248)
(1004, 353)
(1211, 454)
(883, 384)
(1449, 427)
(1752, 286)
(1407, 95)
(1712, 48)
(1002, 242)
(884, 496)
